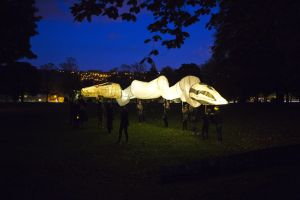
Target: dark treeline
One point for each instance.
(20, 78)
(139, 71)
(256, 48)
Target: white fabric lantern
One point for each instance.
(188, 89)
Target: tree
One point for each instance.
(171, 17)
(114, 70)
(152, 73)
(256, 45)
(69, 65)
(70, 76)
(18, 79)
(138, 67)
(188, 69)
(49, 67)
(49, 79)
(18, 24)
(124, 78)
(125, 68)
(214, 74)
(133, 71)
(170, 74)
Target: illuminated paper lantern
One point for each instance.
(189, 89)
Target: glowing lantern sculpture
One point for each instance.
(189, 89)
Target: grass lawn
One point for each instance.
(43, 157)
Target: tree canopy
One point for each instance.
(19, 79)
(171, 17)
(256, 46)
(18, 25)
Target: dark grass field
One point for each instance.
(43, 157)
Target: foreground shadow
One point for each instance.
(219, 166)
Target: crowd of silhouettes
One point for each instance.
(105, 115)
(212, 116)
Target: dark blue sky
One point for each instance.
(104, 43)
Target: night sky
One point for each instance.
(104, 44)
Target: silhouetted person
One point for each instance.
(193, 119)
(205, 122)
(72, 112)
(82, 111)
(140, 110)
(76, 121)
(124, 123)
(185, 116)
(100, 112)
(218, 121)
(109, 117)
(166, 106)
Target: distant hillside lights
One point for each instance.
(100, 77)
(95, 76)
